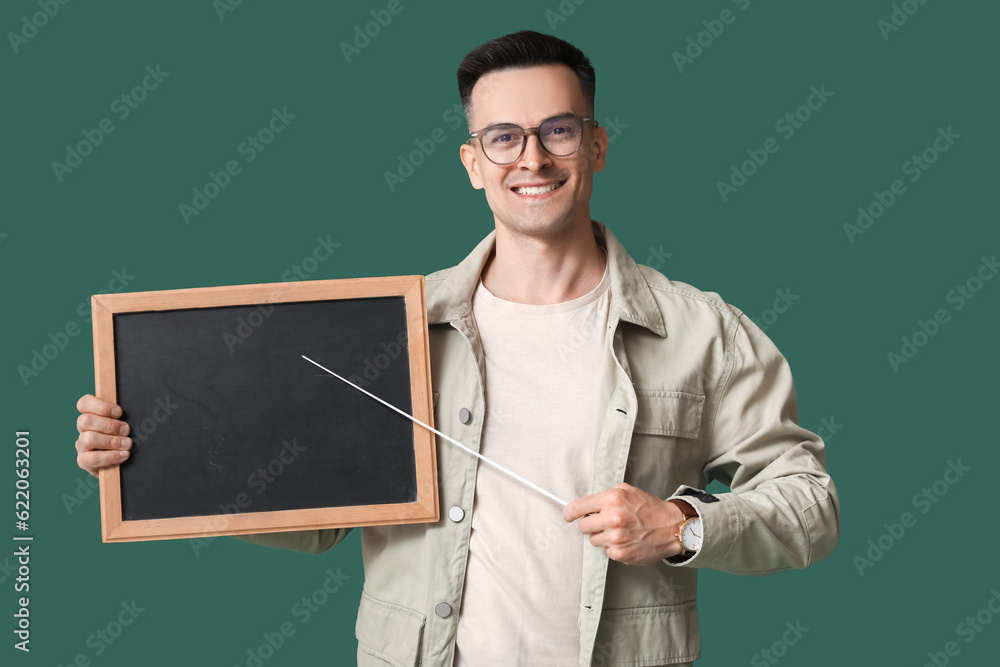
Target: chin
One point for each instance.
(537, 226)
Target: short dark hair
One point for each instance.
(524, 48)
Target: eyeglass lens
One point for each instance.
(560, 136)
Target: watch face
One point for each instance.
(691, 535)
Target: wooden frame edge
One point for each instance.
(412, 288)
(419, 347)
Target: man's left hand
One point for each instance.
(635, 527)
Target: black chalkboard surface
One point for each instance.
(234, 432)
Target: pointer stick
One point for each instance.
(454, 442)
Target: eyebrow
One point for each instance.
(555, 115)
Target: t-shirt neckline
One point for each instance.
(530, 309)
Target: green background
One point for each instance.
(676, 133)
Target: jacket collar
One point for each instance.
(631, 298)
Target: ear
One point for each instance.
(468, 155)
(597, 149)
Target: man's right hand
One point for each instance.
(103, 438)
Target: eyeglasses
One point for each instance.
(560, 135)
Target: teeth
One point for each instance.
(537, 191)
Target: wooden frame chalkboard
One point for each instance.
(234, 433)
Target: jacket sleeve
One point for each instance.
(306, 541)
(782, 511)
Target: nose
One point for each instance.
(535, 156)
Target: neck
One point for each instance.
(544, 270)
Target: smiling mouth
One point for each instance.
(538, 190)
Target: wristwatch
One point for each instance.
(689, 533)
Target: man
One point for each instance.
(554, 354)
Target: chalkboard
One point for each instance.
(234, 432)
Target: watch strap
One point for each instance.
(700, 495)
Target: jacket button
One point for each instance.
(464, 415)
(456, 514)
(442, 609)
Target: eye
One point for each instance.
(501, 137)
(561, 130)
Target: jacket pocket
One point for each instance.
(661, 635)
(667, 412)
(387, 633)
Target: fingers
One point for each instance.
(583, 506)
(103, 439)
(97, 450)
(100, 416)
(94, 460)
(105, 425)
(92, 404)
(594, 503)
(601, 521)
(631, 525)
(90, 441)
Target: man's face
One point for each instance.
(526, 97)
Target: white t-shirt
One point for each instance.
(544, 363)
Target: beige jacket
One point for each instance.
(698, 392)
